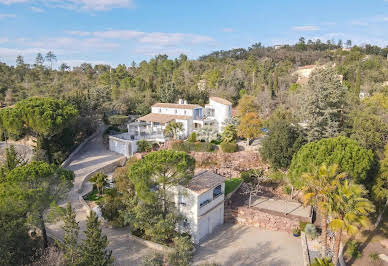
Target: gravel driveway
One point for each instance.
(242, 245)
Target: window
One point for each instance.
(160, 110)
(176, 111)
(217, 191)
(184, 112)
(186, 223)
(205, 202)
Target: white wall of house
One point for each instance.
(123, 146)
(221, 112)
(200, 220)
(172, 111)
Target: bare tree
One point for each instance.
(252, 183)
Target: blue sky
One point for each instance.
(122, 31)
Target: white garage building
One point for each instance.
(201, 201)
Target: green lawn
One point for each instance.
(231, 184)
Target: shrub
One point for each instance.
(276, 177)
(118, 120)
(229, 147)
(182, 254)
(374, 256)
(190, 146)
(192, 137)
(144, 146)
(322, 262)
(353, 249)
(302, 225)
(310, 231)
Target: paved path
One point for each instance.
(92, 157)
(237, 245)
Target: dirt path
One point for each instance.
(92, 157)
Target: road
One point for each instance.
(94, 156)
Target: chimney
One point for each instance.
(180, 101)
(185, 102)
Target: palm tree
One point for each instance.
(173, 128)
(349, 209)
(100, 180)
(319, 185)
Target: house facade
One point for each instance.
(151, 126)
(201, 202)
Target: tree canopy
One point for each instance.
(346, 153)
(161, 170)
(282, 142)
(46, 116)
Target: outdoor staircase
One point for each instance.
(229, 213)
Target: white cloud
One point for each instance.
(9, 54)
(74, 44)
(385, 19)
(9, 2)
(3, 40)
(359, 23)
(3, 16)
(156, 50)
(306, 28)
(101, 4)
(228, 30)
(98, 5)
(36, 9)
(156, 38)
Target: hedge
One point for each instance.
(229, 147)
(193, 146)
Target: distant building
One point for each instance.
(278, 46)
(363, 94)
(151, 126)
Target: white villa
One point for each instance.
(150, 127)
(201, 202)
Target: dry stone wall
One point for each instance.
(265, 220)
(228, 164)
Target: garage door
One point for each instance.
(208, 223)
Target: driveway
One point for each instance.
(242, 245)
(94, 156)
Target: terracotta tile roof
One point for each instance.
(204, 181)
(220, 100)
(162, 118)
(176, 105)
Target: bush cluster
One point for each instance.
(144, 146)
(229, 147)
(193, 146)
(118, 120)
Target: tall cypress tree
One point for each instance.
(324, 104)
(69, 245)
(93, 248)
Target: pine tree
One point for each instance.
(69, 245)
(324, 104)
(93, 248)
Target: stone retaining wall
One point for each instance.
(265, 219)
(150, 244)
